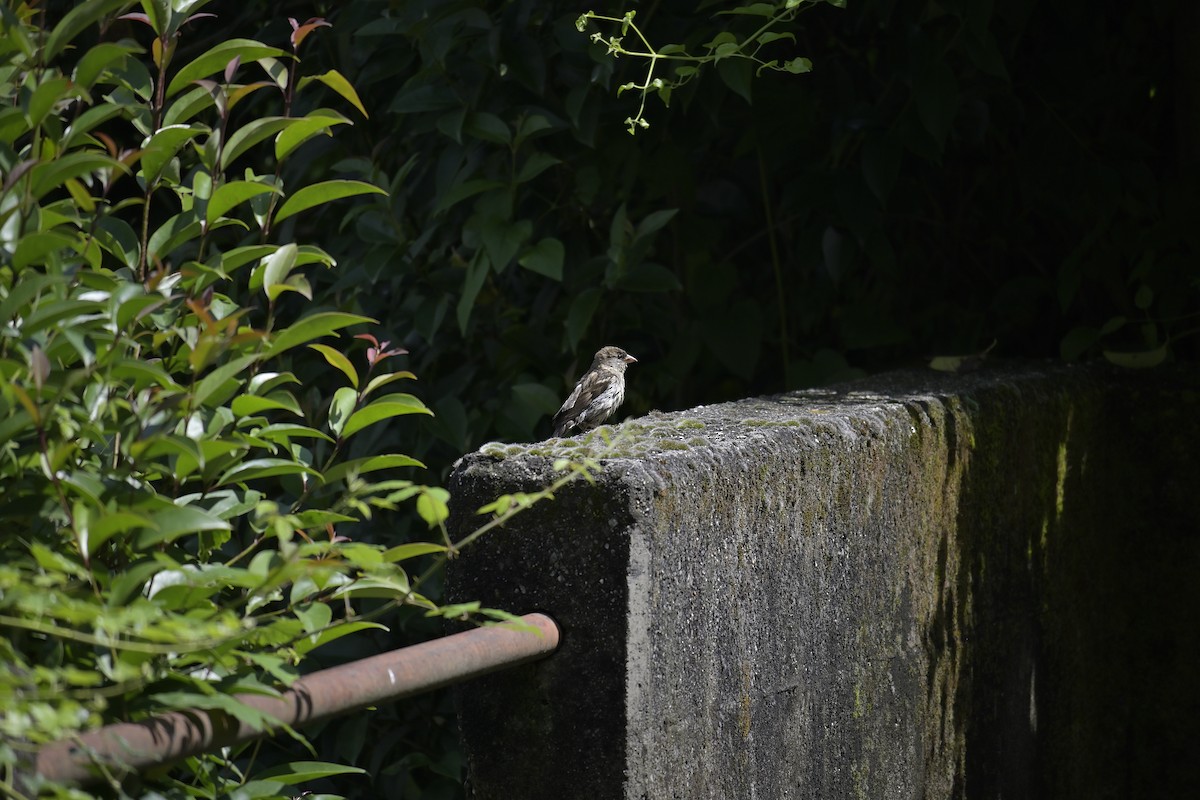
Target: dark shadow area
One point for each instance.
(1093, 695)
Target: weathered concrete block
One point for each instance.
(913, 586)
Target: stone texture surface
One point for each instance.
(918, 585)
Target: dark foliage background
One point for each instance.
(950, 175)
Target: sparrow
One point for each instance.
(597, 394)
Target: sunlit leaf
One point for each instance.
(304, 129)
(344, 401)
(312, 327)
(215, 59)
(367, 464)
(231, 194)
(301, 771)
(393, 405)
(403, 552)
(310, 643)
(338, 359)
(323, 192)
(162, 147)
(432, 506)
(264, 468)
(276, 268)
(336, 81)
(251, 134)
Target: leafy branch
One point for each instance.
(725, 45)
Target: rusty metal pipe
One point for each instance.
(389, 676)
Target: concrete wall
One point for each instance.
(913, 586)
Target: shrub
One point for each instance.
(186, 439)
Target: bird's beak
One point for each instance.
(629, 359)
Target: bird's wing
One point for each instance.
(590, 386)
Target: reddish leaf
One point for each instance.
(301, 32)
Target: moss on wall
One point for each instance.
(916, 585)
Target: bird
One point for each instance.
(597, 394)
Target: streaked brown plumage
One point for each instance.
(597, 394)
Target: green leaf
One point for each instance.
(216, 59)
(336, 81)
(162, 147)
(648, 277)
(35, 248)
(301, 771)
(75, 22)
(284, 432)
(248, 715)
(477, 272)
(337, 359)
(169, 524)
(361, 466)
(234, 193)
(276, 268)
(536, 397)
(219, 376)
(313, 616)
(380, 381)
(341, 407)
(1113, 325)
(722, 38)
(241, 256)
(772, 36)
(535, 165)
(57, 313)
(1144, 297)
(188, 105)
(247, 405)
(461, 191)
(418, 96)
(455, 610)
(393, 405)
(655, 222)
(544, 258)
(47, 176)
(754, 9)
(310, 643)
(403, 552)
(316, 518)
(1077, 341)
(98, 59)
(579, 315)
(103, 528)
(738, 75)
(313, 327)
(503, 239)
(304, 129)
(22, 294)
(432, 505)
(176, 231)
(48, 94)
(487, 126)
(1141, 359)
(251, 134)
(265, 468)
(798, 66)
(324, 192)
